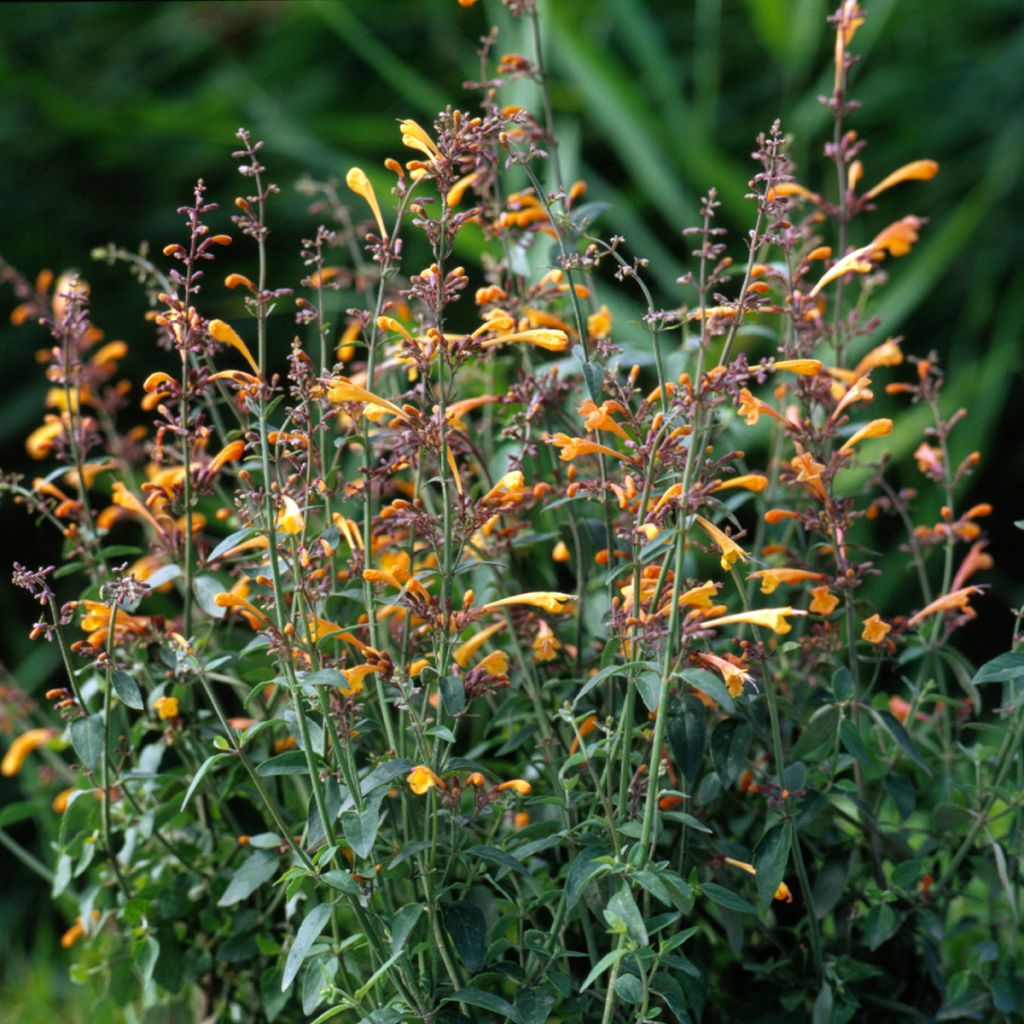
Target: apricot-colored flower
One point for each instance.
(421, 778)
(550, 601)
(809, 472)
(876, 428)
(731, 551)
(40, 442)
(756, 482)
(560, 553)
(955, 600)
(545, 644)
(824, 601)
(899, 708)
(781, 893)
(255, 617)
(76, 931)
(96, 622)
(358, 182)
(416, 138)
(876, 629)
(495, 664)
(895, 240)
(166, 708)
(599, 417)
(289, 518)
(571, 447)
(341, 389)
(463, 654)
(929, 460)
(734, 675)
(227, 335)
(770, 618)
(916, 170)
(539, 337)
(355, 678)
(803, 367)
(520, 786)
(772, 578)
(751, 408)
(22, 746)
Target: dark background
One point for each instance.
(110, 111)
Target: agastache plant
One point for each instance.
(478, 654)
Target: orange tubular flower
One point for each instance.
(751, 408)
(916, 170)
(770, 618)
(416, 138)
(341, 389)
(731, 551)
(166, 708)
(895, 240)
(96, 622)
(550, 601)
(541, 337)
(227, 335)
(955, 600)
(289, 518)
(463, 654)
(358, 182)
(421, 778)
(600, 417)
(809, 472)
(802, 367)
(586, 727)
(756, 482)
(735, 676)
(571, 447)
(19, 750)
(876, 629)
(520, 786)
(545, 644)
(876, 428)
(781, 893)
(824, 602)
(772, 578)
(76, 931)
(256, 618)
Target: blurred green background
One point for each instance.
(110, 111)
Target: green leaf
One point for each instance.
(291, 762)
(20, 810)
(822, 1011)
(686, 730)
(258, 868)
(206, 588)
(842, 683)
(360, 829)
(730, 742)
(850, 735)
(707, 682)
(1001, 669)
(87, 738)
(604, 674)
(629, 989)
(820, 729)
(402, 926)
(601, 966)
(648, 685)
(465, 924)
(309, 931)
(770, 856)
(127, 689)
(486, 1001)
(384, 774)
(902, 737)
(204, 769)
(499, 858)
(453, 693)
(583, 870)
(726, 898)
(534, 1005)
(880, 925)
(622, 907)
